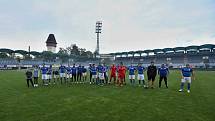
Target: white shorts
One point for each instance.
(69, 75)
(140, 77)
(101, 76)
(49, 76)
(55, 76)
(186, 79)
(131, 76)
(94, 76)
(62, 75)
(84, 74)
(44, 76)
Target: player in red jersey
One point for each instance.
(113, 73)
(121, 74)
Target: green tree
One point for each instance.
(74, 52)
(47, 55)
(63, 54)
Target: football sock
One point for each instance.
(182, 85)
(188, 86)
(165, 83)
(160, 83)
(143, 82)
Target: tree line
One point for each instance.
(72, 52)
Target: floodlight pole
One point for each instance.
(29, 52)
(98, 31)
(97, 47)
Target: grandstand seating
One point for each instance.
(26, 62)
(194, 59)
(37, 62)
(174, 59)
(212, 59)
(8, 62)
(175, 56)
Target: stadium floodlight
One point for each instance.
(98, 31)
(29, 51)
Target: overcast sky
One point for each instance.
(127, 24)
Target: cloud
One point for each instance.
(127, 24)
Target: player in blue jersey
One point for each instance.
(94, 73)
(140, 77)
(84, 74)
(62, 70)
(79, 73)
(36, 75)
(49, 74)
(131, 77)
(74, 73)
(44, 71)
(68, 73)
(101, 77)
(163, 71)
(187, 75)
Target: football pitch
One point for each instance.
(84, 102)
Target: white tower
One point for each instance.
(51, 43)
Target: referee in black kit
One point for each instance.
(151, 73)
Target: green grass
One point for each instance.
(108, 103)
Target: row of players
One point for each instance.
(99, 75)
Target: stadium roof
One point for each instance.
(22, 52)
(158, 50)
(131, 52)
(140, 51)
(189, 48)
(179, 49)
(5, 50)
(148, 51)
(192, 48)
(168, 50)
(112, 53)
(207, 46)
(120, 53)
(124, 53)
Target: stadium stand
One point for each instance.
(8, 62)
(198, 56)
(38, 62)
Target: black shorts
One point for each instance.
(29, 79)
(151, 77)
(163, 78)
(35, 78)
